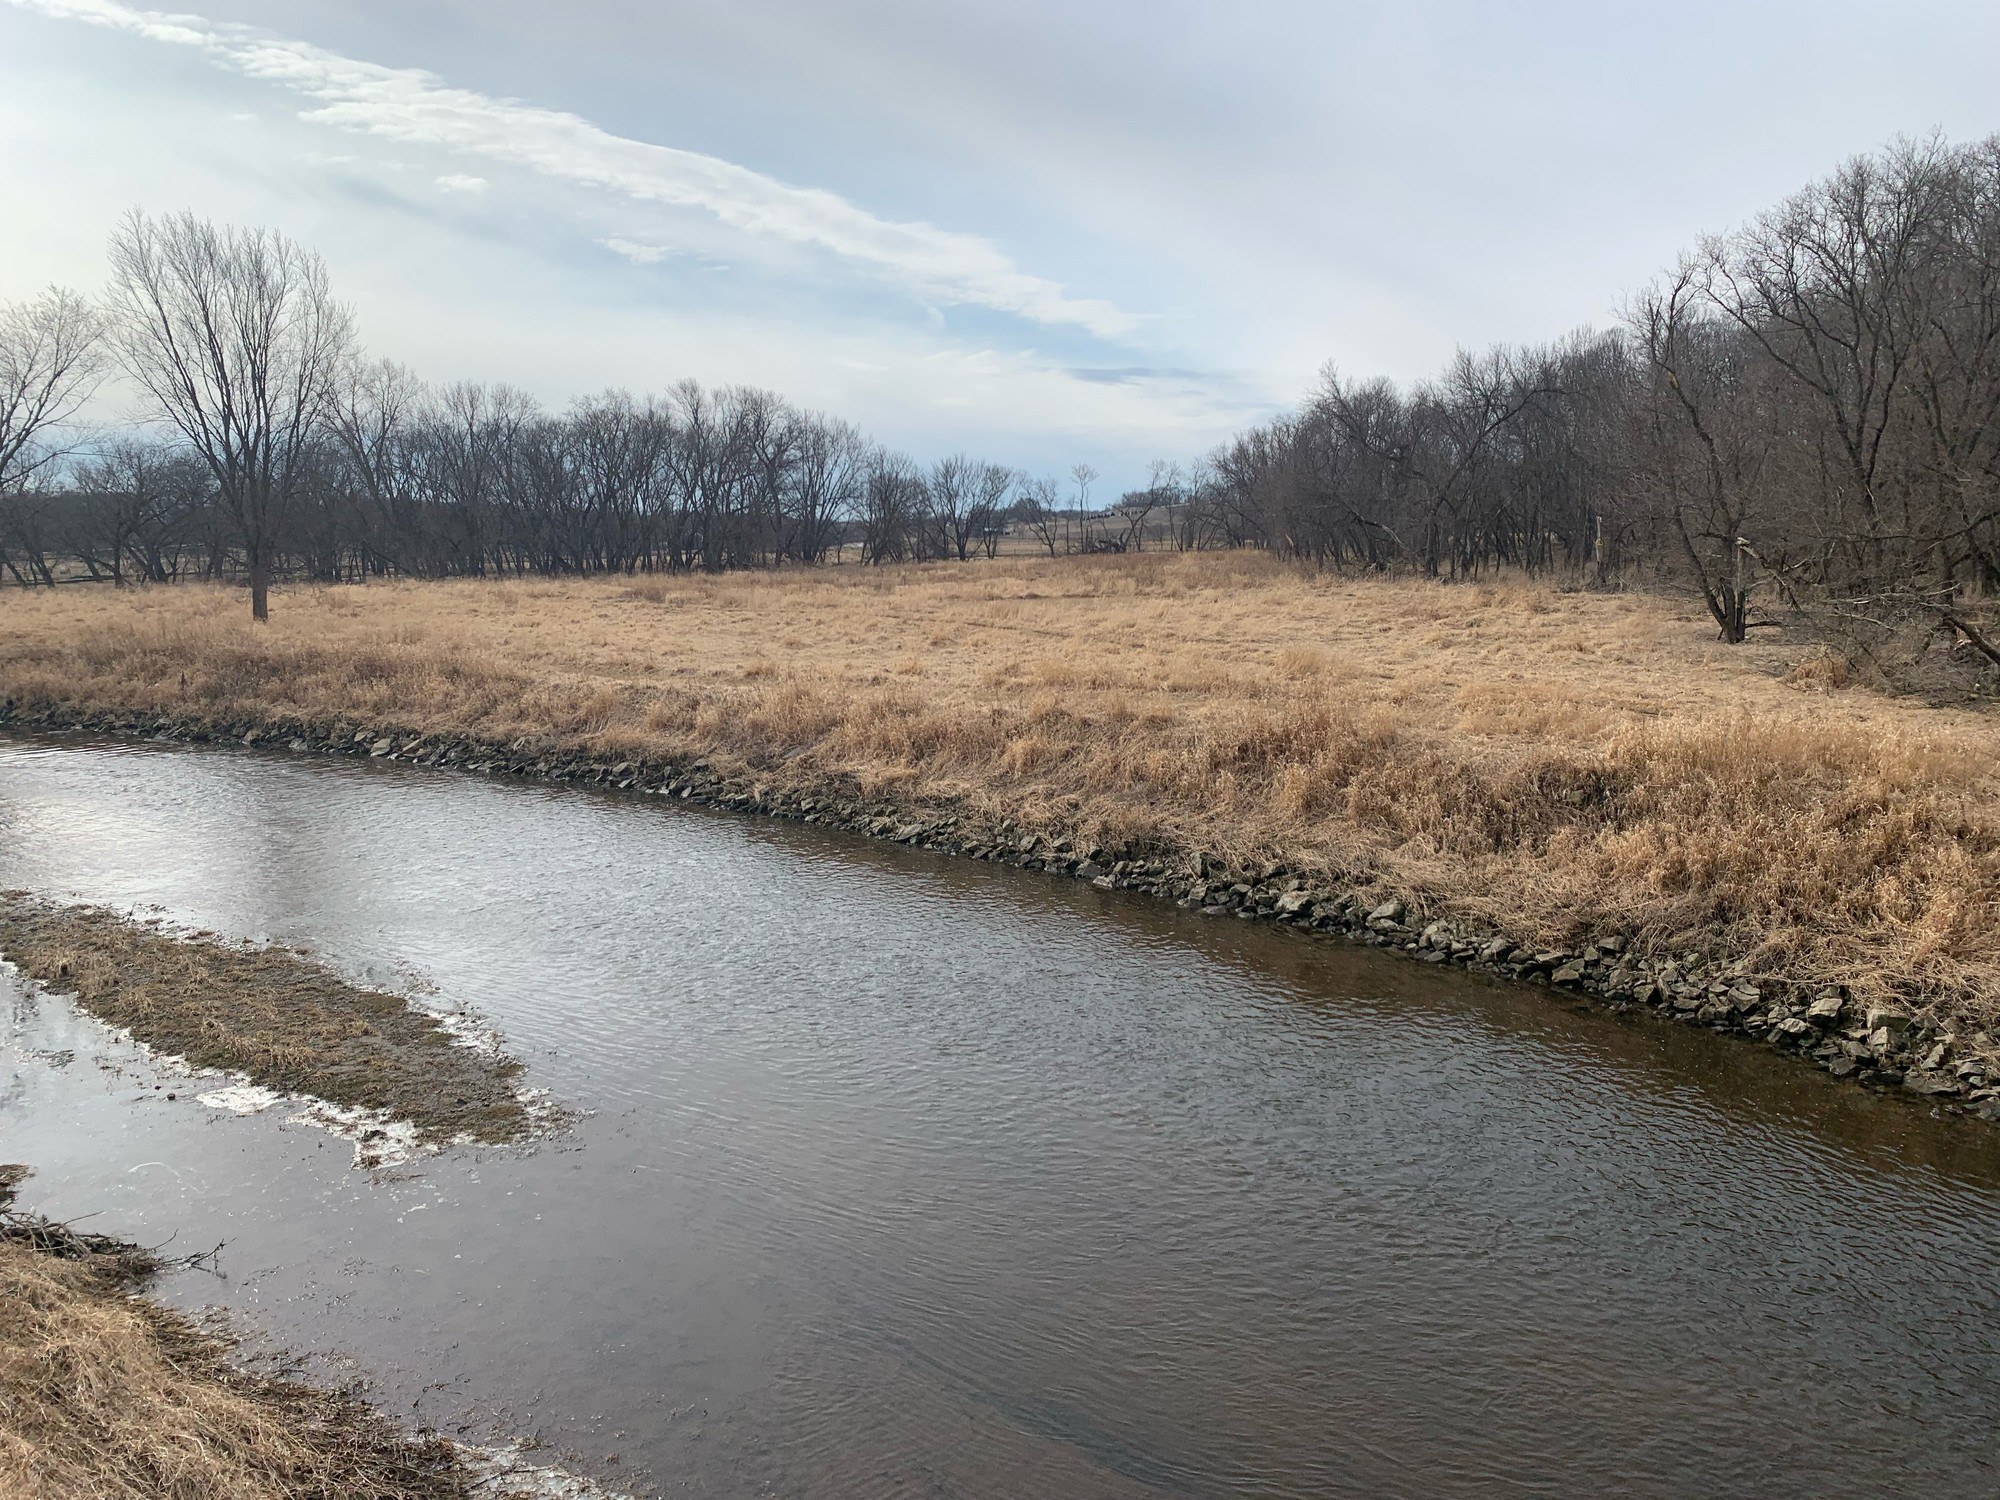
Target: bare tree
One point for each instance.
(1083, 476)
(892, 500)
(1704, 443)
(131, 515)
(1037, 509)
(959, 500)
(235, 338)
(50, 363)
(991, 484)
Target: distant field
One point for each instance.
(1559, 764)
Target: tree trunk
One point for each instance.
(260, 586)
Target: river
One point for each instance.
(901, 1175)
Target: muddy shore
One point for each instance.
(1873, 1046)
(108, 1395)
(276, 1020)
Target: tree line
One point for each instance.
(1801, 418)
(276, 450)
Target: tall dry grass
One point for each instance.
(104, 1396)
(1556, 764)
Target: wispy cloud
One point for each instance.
(410, 105)
(634, 251)
(458, 182)
(1134, 374)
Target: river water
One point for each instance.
(900, 1175)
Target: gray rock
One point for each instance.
(1388, 911)
(1570, 973)
(1826, 1009)
(1917, 1081)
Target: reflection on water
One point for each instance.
(903, 1175)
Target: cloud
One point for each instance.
(1133, 374)
(410, 105)
(638, 254)
(458, 182)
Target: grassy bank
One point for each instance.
(106, 1396)
(269, 1013)
(1556, 766)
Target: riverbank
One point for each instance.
(105, 1395)
(279, 1022)
(1580, 790)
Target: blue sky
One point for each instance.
(1045, 233)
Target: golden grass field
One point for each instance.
(1559, 764)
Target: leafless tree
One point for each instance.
(130, 519)
(990, 484)
(235, 337)
(50, 362)
(1083, 476)
(1039, 513)
(1705, 446)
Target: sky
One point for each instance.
(1045, 234)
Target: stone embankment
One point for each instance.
(1877, 1046)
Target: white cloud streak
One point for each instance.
(414, 106)
(639, 254)
(458, 182)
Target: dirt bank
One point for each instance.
(107, 1396)
(1579, 789)
(269, 1013)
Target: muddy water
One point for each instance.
(902, 1175)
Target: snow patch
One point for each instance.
(240, 1098)
(505, 1474)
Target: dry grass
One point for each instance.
(1555, 764)
(105, 1396)
(268, 1012)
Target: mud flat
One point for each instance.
(281, 1024)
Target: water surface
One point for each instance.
(900, 1175)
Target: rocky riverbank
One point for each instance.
(1877, 1045)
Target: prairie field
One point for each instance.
(1557, 764)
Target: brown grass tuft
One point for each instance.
(105, 1396)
